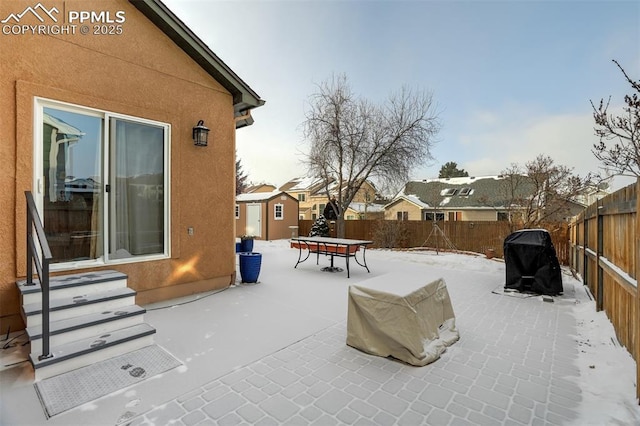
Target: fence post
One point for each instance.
(585, 255)
(599, 252)
(637, 325)
(576, 254)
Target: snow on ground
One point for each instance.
(608, 371)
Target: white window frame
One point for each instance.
(39, 103)
(503, 216)
(237, 211)
(279, 216)
(429, 216)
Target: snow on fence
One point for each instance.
(604, 240)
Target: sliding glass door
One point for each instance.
(136, 190)
(71, 184)
(101, 184)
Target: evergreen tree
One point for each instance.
(320, 228)
(450, 170)
(241, 178)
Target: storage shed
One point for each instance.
(266, 215)
(531, 263)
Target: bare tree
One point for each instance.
(541, 191)
(352, 140)
(619, 147)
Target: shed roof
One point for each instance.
(244, 98)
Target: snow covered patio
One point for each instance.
(275, 353)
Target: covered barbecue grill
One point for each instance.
(531, 263)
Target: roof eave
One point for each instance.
(244, 98)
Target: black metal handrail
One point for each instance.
(42, 266)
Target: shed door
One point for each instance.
(254, 224)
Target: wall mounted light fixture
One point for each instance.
(200, 134)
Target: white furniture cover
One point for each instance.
(415, 326)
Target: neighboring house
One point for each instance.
(302, 189)
(100, 128)
(463, 198)
(266, 215)
(487, 198)
(262, 187)
(596, 192)
(364, 211)
(312, 197)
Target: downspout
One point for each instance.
(243, 117)
(266, 228)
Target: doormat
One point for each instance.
(69, 390)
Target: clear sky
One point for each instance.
(511, 79)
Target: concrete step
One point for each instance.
(81, 304)
(71, 285)
(84, 352)
(85, 326)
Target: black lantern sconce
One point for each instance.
(200, 134)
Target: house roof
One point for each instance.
(263, 187)
(302, 184)
(409, 198)
(244, 98)
(315, 186)
(260, 196)
(368, 207)
(462, 193)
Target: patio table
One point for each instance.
(329, 246)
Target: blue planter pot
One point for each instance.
(238, 247)
(246, 245)
(250, 267)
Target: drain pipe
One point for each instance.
(243, 117)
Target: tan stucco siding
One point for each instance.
(414, 212)
(139, 73)
(479, 215)
(365, 194)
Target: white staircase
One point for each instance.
(93, 316)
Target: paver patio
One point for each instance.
(274, 353)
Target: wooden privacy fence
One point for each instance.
(604, 241)
(478, 237)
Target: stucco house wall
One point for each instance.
(414, 212)
(141, 73)
(479, 215)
